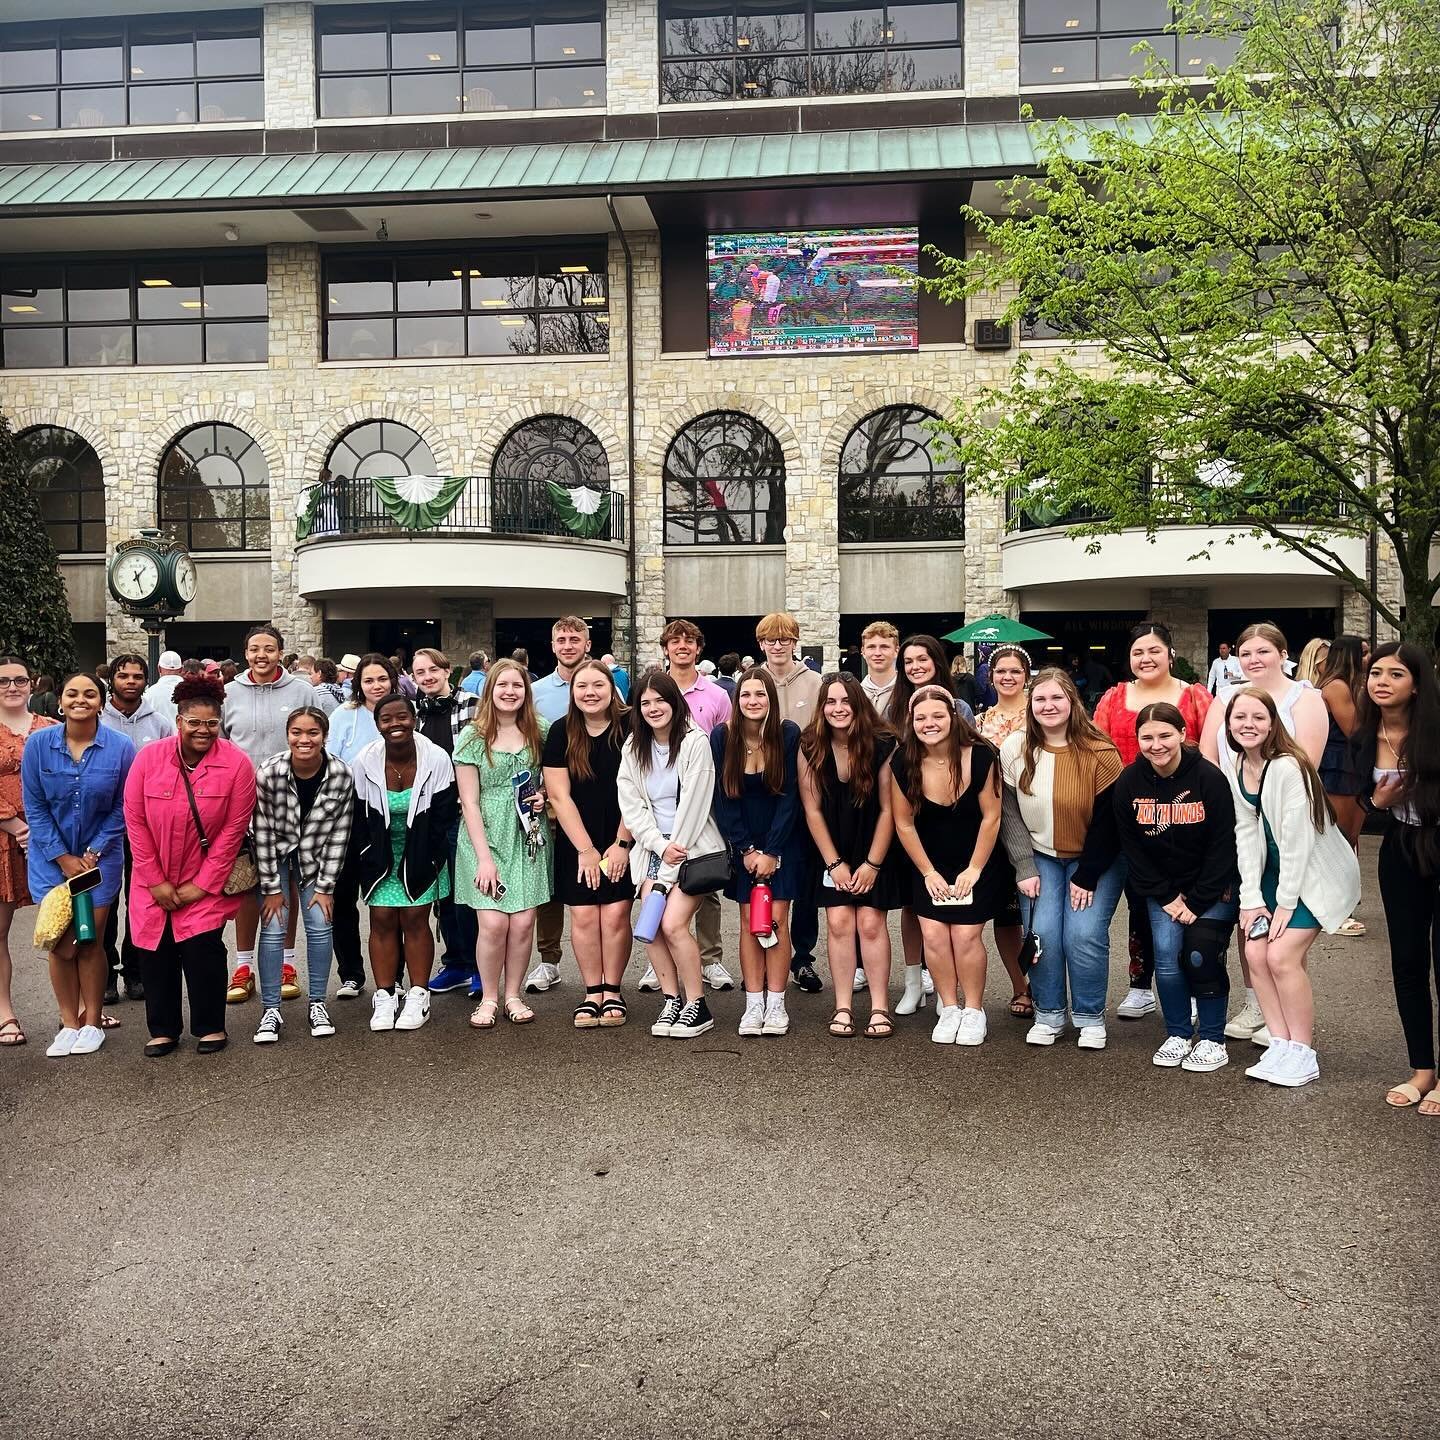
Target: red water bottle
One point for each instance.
(762, 919)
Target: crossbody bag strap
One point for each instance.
(194, 808)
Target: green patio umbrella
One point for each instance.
(994, 629)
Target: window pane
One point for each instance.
(498, 35)
(501, 335)
(503, 282)
(698, 27)
(359, 285)
(937, 69)
(89, 55)
(576, 334)
(101, 345)
(162, 105)
(499, 90)
(426, 40)
(216, 535)
(238, 344)
(923, 24)
(1118, 63)
(569, 32)
(32, 295)
(161, 50)
(1057, 62)
(430, 335)
(28, 57)
(169, 292)
(430, 282)
(856, 73)
(98, 292)
(235, 287)
(773, 77)
(354, 96)
(229, 47)
(767, 25)
(414, 94)
(1198, 51)
(28, 110)
(1135, 14)
(360, 340)
(27, 348)
(169, 345)
(1059, 17)
(231, 100)
(353, 41)
(568, 88)
(561, 290)
(841, 23)
(692, 81)
(92, 109)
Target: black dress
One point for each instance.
(852, 829)
(948, 834)
(598, 801)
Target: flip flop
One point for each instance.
(1411, 1094)
(11, 1034)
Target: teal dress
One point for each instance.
(390, 891)
(527, 880)
(1302, 919)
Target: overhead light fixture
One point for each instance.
(574, 269)
(1072, 23)
(493, 304)
(1057, 69)
(192, 304)
(593, 300)
(743, 41)
(433, 57)
(136, 70)
(482, 215)
(567, 49)
(588, 93)
(506, 320)
(230, 232)
(24, 309)
(1195, 60)
(751, 85)
(154, 284)
(38, 119)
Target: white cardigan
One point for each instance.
(695, 826)
(1318, 868)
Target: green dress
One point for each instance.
(1302, 919)
(527, 881)
(390, 891)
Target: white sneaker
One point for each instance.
(1261, 1036)
(63, 1043)
(88, 1039)
(1246, 1022)
(382, 1011)
(649, 980)
(267, 1032)
(541, 978)
(1092, 1037)
(1298, 1066)
(947, 1027)
(752, 1022)
(913, 997)
(861, 983)
(1136, 1005)
(1043, 1034)
(1171, 1053)
(320, 1022)
(348, 990)
(417, 1009)
(1274, 1055)
(1205, 1055)
(777, 1018)
(717, 977)
(926, 983)
(973, 1028)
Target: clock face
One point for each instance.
(185, 578)
(136, 576)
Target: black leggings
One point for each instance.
(1412, 915)
(1142, 941)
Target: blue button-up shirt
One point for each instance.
(72, 806)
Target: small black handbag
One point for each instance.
(704, 874)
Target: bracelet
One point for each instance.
(834, 865)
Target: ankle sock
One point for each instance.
(244, 957)
(754, 999)
(289, 957)
(1250, 998)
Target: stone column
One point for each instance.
(655, 397)
(632, 73)
(289, 67)
(812, 558)
(1187, 613)
(985, 593)
(992, 47)
(466, 624)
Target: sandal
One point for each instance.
(1352, 927)
(845, 1027)
(1022, 1007)
(1432, 1100)
(881, 1026)
(613, 1011)
(11, 1034)
(484, 1015)
(587, 1012)
(1410, 1095)
(517, 1012)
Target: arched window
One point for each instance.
(64, 468)
(724, 483)
(554, 448)
(215, 490)
(894, 485)
(380, 447)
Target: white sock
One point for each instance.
(245, 957)
(289, 957)
(754, 999)
(775, 1000)
(1250, 998)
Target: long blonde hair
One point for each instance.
(1080, 730)
(487, 719)
(1280, 742)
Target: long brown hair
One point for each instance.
(1280, 742)
(962, 735)
(374, 658)
(1080, 730)
(903, 695)
(817, 744)
(661, 682)
(577, 737)
(487, 719)
(772, 745)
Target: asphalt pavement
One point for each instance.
(543, 1232)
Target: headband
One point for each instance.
(926, 692)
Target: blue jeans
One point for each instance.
(1074, 944)
(271, 950)
(1170, 982)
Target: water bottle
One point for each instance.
(652, 911)
(762, 917)
(82, 912)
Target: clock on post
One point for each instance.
(154, 579)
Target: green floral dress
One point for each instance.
(390, 891)
(527, 881)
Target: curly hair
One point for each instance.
(198, 690)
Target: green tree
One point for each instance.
(1260, 266)
(34, 609)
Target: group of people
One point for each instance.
(495, 808)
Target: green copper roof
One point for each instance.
(592, 167)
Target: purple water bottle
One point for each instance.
(647, 927)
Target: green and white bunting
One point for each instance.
(309, 505)
(583, 512)
(419, 502)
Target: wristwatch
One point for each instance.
(625, 844)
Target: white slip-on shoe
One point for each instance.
(1092, 1037)
(88, 1039)
(63, 1043)
(973, 1028)
(947, 1027)
(1043, 1034)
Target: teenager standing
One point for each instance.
(1341, 685)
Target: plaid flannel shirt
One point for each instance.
(320, 844)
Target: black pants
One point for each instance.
(345, 926)
(123, 958)
(1412, 915)
(804, 910)
(201, 961)
(459, 926)
(1142, 941)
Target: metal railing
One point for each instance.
(1215, 506)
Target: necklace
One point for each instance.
(1394, 748)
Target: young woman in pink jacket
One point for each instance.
(177, 906)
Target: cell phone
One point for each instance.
(1259, 928)
(499, 889)
(828, 880)
(955, 899)
(86, 881)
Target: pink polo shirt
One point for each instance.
(709, 703)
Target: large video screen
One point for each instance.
(807, 291)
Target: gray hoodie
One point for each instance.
(254, 715)
(145, 725)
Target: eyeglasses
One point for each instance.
(18, 681)
(213, 726)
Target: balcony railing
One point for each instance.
(1217, 506)
(344, 509)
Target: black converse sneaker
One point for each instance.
(695, 1019)
(669, 1014)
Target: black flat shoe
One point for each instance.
(156, 1048)
(211, 1047)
